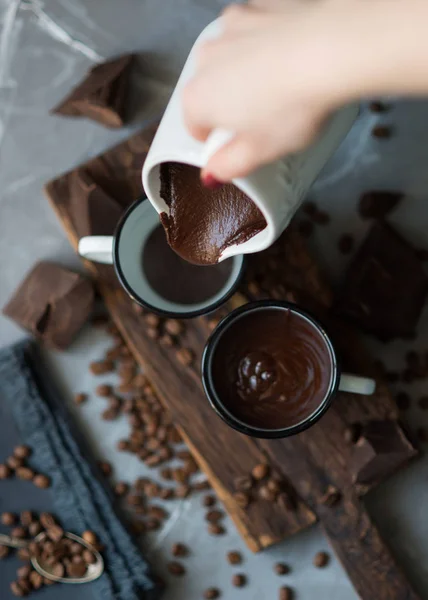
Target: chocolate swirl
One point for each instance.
(272, 368)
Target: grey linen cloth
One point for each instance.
(81, 500)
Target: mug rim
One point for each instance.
(218, 405)
(142, 302)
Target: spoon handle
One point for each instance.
(7, 540)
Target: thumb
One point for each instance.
(235, 159)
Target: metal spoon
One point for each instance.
(92, 571)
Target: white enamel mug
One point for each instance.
(277, 189)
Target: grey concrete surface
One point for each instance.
(45, 47)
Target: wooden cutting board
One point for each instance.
(309, 462)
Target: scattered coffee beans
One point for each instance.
(211, 593)
(239, 580)
(281, 569)
(176, 568)
(179, 550)
(234, 557)
(80, 398)
(321, 559)
(285, 593)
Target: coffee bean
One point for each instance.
(134, 500)
(103, 390)
(8, 518)
(165, 453)
(24, 571)
(184, 356)
(239, 580)
(121, 488)
(55, 533)
(174, 436)
(234, 557)
(209, 500)
(16, 589)
(123, 445)
(157, 512)
(321, 559)
(211, 593)
(4, 551)
(382, 132)
(47, 520)
(76, 548)
(23, 554)
(285, 593)
(42, 481)
(152, 320)
(378, 107)
(260, 471)
(90, 537)
(101, 367)
(153, 333)
(26, 517)
(403, 401)
(266, 494)
(153, 524)
(77, 559)
(179, 475)
(202, 485)
(34, 528)
(331, 497)
(19, 532)
(22, 451)
(89, 557)
(215, 529)
(105, 468)
(179, 550)
(242, 499)
(36, 580)
(176, 568)
(80, 398)
(151, 490)
(281, 569)
(352, 433)
(182, 491)
(13, 462)
(5, 471)
(346, 243)
(76, 570)
(214, 515)
(173, 327)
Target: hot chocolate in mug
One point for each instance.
(277, 188)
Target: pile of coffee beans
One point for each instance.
(56, 553)
(263, 484)
(16, 465)
(152, 436)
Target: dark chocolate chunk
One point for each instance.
(93, 210)
(385, 286)
(378, 204)
(52, 303)
(101, 96)
(381, 449)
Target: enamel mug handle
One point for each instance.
(356, 385)
(98, 248)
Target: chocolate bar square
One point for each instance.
(52, 303)
(101, 96)
(381, 450)
(385, 286)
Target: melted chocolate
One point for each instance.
(177, 280)
(271, 369)
(203, 222)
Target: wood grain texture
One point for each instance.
(311, 461)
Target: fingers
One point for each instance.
(235, 159)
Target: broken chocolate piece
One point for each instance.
(378, 204)
(101, 95)
(385, 286)
(52, 303)
(93, 211)
(381, 449)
